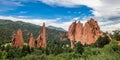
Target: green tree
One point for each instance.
(79, 48)
(101, 41)
(116, 35)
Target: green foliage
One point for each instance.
(108, 52)
(116, 35)
(57, 47)
(101, 41)
(3, 55)
(79, 48)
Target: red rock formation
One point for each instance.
(41, 40)
(87, 34)
(71, 34)
(78, 31)
(91, 32)
(71, 31)
(31, 41)
(17, 39)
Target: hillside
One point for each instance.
(56, 28)
(8, 27)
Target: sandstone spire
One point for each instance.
(31, 41)
(78, 31)
(41, 40)
(18, 39)
(71, 30)
(71, 34)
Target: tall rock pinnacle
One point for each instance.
(31, 41)
(18, 39)
(41, 40)
(78, 31)
(71, 34)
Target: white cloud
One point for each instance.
(72, 3)
(65, 25)
(101, 8)
(106, 12)
(49, 22)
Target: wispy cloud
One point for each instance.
(49, 22)
(55, 22)
(6, 5)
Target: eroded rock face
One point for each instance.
(91, 32)
(86, 34)
(41, 40)
(71, 33)
(17, 39)
(31, 41)
(78, 31)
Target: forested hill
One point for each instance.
(8, 28)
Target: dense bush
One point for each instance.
(79, 48)
(116, 35)
(3, 55)
(101, 41)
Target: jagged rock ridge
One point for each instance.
(86, 34)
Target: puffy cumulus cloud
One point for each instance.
(106, 12)
(101, 8)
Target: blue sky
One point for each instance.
(61, 13)
(42, 10)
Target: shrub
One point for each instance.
(3, 54)
(79, 48)
(101, 41)
(116, 35)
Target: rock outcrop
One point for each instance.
(86, 34)
(91, 32)
(78, 31)
(41, 40)
(71, 33)
(17, 39)
(31, 42)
